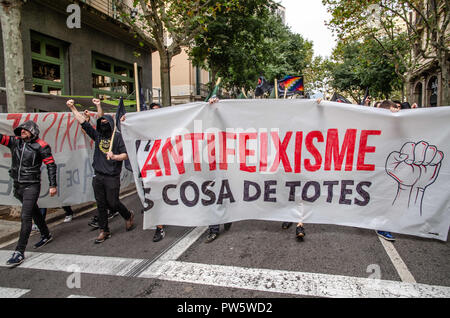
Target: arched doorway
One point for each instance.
(433, 91)
(418, 94)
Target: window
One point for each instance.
(47, 56)
(35, 46)
(52, 51)
(111, 78)
(46, 71)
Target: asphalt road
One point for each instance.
(254, 259)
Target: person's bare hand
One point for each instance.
(110, 155)
(319, 100)
(96, 101)
(213, 100)
(70, 103)
(87, 115)
(414, 105)
(53, 191)
(122, 119)
(394, 109)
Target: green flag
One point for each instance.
(214, 91)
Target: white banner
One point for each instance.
(293, 160)
(73, 152)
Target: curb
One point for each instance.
(55, 217)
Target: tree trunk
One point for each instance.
(403, 92)
(165, 78)
(408, 87)
(10, 16)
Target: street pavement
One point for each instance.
(254, 259)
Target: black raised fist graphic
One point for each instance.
(414, 167)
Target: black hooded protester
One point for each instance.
(107, 164)
(28, 153)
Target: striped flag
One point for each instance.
(292, 84)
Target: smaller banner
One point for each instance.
(73, 151)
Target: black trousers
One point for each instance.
(28, 195)
(68, 210)
(106, 192)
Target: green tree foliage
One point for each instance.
(242, 44)
(420, 25)
(318, 76)
(170, 25)
(364, 65)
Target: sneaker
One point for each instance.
(35, 228)
(386, 235)
(44, 241)
(211, 237)
(227, 226)
(286, 225)
(129, 224)
(68, 218)
(300, 232)
(112, 214)
(16, 259)
(94, 222)
(159, 234)
(103, 236)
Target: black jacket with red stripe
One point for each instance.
(28, 156)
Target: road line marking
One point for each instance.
(52, 225)
(283, 282)
(286, 282)
(115, 266)
(79, 296)
(399, 264)
(183, 244)
(173, 252)
(12, 292)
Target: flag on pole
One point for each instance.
(365, 96)
(119, 113)
(214, 91)
(290, 85)
(143, 105)
(140, 100)
(340, 99)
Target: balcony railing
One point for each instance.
(109, 8)
(105, 6)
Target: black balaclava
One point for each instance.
(105, 130)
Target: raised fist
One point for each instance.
(70, 103)
(414, 167)
(96, 101)
(87, 115)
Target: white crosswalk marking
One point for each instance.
(115, 266)
(12, 292)
(286, 282)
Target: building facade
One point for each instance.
(426, 84)
(93, 60)
(188, 83)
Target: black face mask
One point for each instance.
(105, 130)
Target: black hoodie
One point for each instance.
(100, 164)
(28, 156)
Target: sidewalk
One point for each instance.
(10, 227)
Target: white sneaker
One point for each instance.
(34, 228)
(68, 218)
